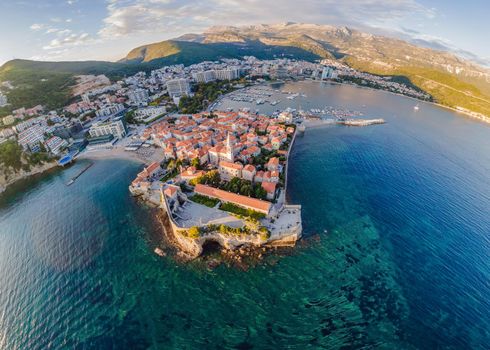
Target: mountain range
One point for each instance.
(451, 80)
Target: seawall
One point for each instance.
(193, 247)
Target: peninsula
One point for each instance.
(222, 179)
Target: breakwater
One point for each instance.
(361, 122)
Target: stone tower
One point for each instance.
(230, 156)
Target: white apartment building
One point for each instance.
(30, 122)
(328, 73)
(31, 137)
(115, 128)
(227, 74)
(204, 77)
(178, 87)
(150, 112)
(55, 144)
(110, 110)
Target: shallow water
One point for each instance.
(405, 262)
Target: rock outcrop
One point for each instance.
(7, 180)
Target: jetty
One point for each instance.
(74, 178)
(360, 122)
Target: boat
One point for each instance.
(159, 252)
(416, 107)
(71, 182)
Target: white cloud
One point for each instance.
(59, 32)
(36, 26)
(68, 39)
(134, 22)
(150, 16)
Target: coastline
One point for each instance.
(484, 119)
(37, 170)
(121, 153)
(115, 153)
(109, 154)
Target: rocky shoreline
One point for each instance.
(5, 181)
(247, 244)
(243, 257)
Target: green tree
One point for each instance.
(11, 155)
(196, 163)
(178, 163)
(246, 190)
(171, 164)
(129, 117)
(194, 232)
(260, 192)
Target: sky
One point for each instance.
(55, 30)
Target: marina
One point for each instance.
(272, 101)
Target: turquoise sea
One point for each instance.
(396, 253)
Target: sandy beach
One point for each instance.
(143, 155)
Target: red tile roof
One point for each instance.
(152, 167)
(247, 202)
(236, 166)
(269, 187)
(273, 161)
(249, 167)
(170, 191)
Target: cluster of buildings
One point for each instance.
(44, 130)
(336, 70)
(151, 95)
(226, 141)
(209, 75)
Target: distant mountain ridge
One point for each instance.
(452, 81)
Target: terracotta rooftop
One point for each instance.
(170, 191)
(253, 203)
(269, 187)
(273, 161)
(249, 167)
(152, 167)
(236, 166)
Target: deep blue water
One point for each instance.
(405, 261)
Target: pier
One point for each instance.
(73, 179)
(361, 122)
